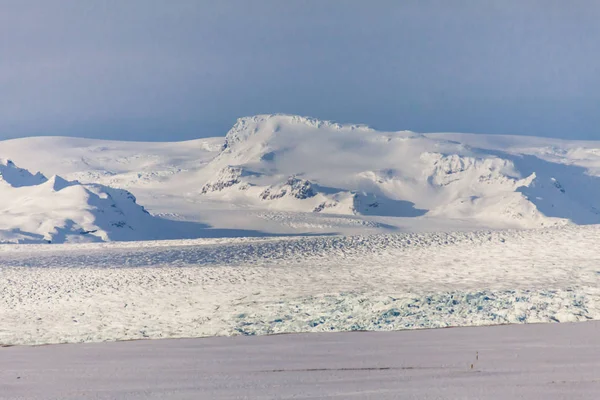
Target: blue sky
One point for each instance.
(175, 70)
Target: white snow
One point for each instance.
(36, 209)
(320, 175)
(118, 291)
(290, 224)
(517, 362)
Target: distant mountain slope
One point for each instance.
(36, 209)
(290, 174)
(301, 164)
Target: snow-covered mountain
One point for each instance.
(290, 174)
(301, 164)
(34, 208)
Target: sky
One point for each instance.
(158, 70)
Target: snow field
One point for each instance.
(530, 362)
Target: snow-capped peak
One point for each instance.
(18, 177)
(262, 126)
(58, 183)
(433, 176)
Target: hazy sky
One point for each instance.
(180, 69)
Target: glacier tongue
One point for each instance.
(207, 287)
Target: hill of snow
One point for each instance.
(300, 164)
(34, 208)
(274, 174)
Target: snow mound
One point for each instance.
(36, 209)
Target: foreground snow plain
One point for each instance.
(537, 361)
(248, 286)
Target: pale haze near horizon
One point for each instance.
(162, 70)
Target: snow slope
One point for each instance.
(34, 209)
(280, 174)
(300, 164)
(517, 362)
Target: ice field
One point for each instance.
(249, 286)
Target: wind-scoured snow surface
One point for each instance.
(280, 174)
(517, 362)
(98, 292)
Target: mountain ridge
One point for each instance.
(315, 171)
